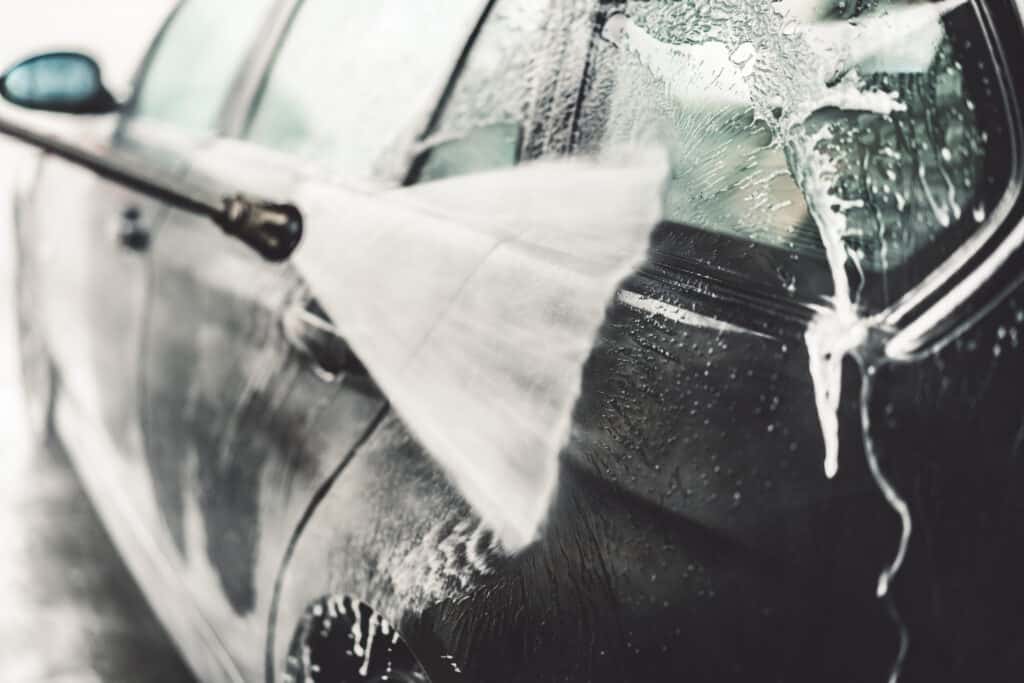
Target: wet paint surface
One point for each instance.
(69, 610)
(947, 432)
(738, 563)
(617, 589)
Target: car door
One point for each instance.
(89, 242)
(89, 239)
(98, 296)
(725, 511)
(251, 402)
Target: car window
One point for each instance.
(792, 120)
(483, 121)
(352, 76)
(196, 60)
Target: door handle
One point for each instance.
(312, 334)
(131, 232)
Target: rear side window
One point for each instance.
(866, 127)
(196, 60)
(353, 75)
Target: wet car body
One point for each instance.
(252, 475)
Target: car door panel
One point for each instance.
(715, 424)
(89, 290)
(695, 532)
(242, 426)
(91, 256)
(617, 588)
(93, 290)
(114, 486)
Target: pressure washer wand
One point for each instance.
(273, 230)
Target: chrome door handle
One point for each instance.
(312, 334)
(131, 232)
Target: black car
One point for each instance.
(813, 382)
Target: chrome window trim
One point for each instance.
(925, 318)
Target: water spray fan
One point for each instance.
(474, 303)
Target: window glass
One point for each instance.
(481, 148)
(352, 77)
(196, 61)
(801, 122)
(483, 121)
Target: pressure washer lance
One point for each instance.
(273, 230)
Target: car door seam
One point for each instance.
(307, 516)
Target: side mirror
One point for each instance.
(66, 82)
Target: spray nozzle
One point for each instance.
(273, 230)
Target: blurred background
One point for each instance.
(69, 611)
